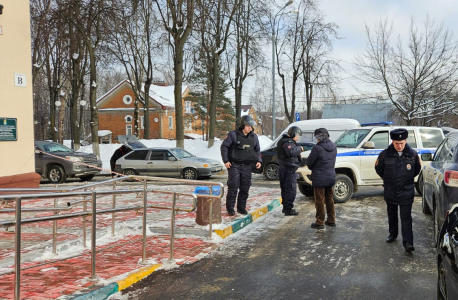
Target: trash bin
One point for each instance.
(203, 206)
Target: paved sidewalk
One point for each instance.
(119, 257)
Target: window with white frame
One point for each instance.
(170, 122)
(142, 122)
(187, 107)
(128, 119)
(127, 99)
(129, 129)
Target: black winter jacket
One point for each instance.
(398, 174)
(288, 152)
(322, 162)
(240, 148)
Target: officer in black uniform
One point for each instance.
(239, 150)
(289, 158)
(397, 166)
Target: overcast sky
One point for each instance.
(352, 15)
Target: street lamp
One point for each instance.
(273, 68)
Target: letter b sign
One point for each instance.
(20, 80)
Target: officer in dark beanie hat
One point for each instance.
(397, 166)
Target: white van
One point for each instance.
(335, 128)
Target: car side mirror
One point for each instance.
(369, 145)
(427, 157)
(171, 158)
(37, 151)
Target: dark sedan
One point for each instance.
(440, 181)
(269, 165)
(447, 257)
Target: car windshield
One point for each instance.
(181, 153)
(351, 138)
(53, 147)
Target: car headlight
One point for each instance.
(74, 159)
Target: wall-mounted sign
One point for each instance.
(8, 129)
(20, 80)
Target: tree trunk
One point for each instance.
(93, 104)
(178, 68)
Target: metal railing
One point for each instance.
(18, 195)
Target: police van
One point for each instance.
(357, 151)
(335, 128)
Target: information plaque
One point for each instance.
(8, 129)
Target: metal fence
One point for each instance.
(89, 194)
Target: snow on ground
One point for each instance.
(196, 147)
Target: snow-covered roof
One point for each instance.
(104, 132)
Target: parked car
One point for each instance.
(56, 162)
(168, 162)
(357, 151)
(270, 165)
(440, 180)
(447, 257)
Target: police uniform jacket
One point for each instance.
(398, 173)
(322, 162)
(241, 149)
(288, 152)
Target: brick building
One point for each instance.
(116, 112)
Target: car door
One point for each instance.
(160, 165)
(429, 174)
(369, 156)
(444, 203)
(136, 160)
(436, 175)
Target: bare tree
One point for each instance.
(178, 19)
(417, 75)
(215, 20)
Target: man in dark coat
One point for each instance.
(397, 166)
(289, 158)
(321, 162)
(239, 150)
(120, 152)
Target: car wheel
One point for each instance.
(56, 174)
(129, 172)
(441, 281)
(343, 188)
(271, 172)
(424, 205)
(190, 173)
(87, 177)
(305, 190)
(419, 184)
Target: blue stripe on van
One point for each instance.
(372, 152)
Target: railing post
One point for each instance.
(17, 254)
(210, 218)
(54, 229)
(172, 227)
(93, 234)
(84, 218)
(113, 215)
(144, 223)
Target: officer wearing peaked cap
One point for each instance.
(397, 166)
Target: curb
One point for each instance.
(137, 275)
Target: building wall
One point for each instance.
(17, 157)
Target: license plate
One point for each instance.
(220, 173)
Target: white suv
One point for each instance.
(357, 151)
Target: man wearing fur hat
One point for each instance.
(397, 166)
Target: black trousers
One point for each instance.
(238, 185)
(405, 212)
(288, 186)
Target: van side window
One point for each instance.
(307, 137)
(380, 140)
(431, 138)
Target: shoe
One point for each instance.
(390, 238)
(290, 212)
(409, 247)
(316, 226)
(242, 211)
(231, 212)
(330, 224)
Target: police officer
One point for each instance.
(397, 166)
(289, 158)
(239, 150)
